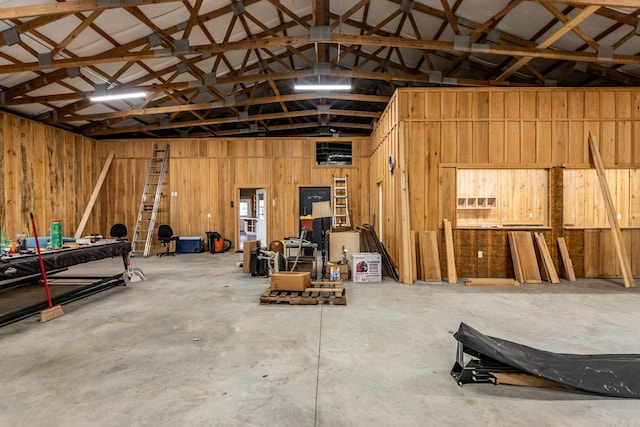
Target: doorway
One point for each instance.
(307, 197)
(252, 215)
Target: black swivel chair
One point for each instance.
(119, 232)
(165, 236)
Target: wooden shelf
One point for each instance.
(474, 208)
(477, 202)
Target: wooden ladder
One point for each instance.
(150, 201)
(340, 202)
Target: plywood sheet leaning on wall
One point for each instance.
(429, 256)
(515, 257)
(523, 255)
(570, 275)
(547, 261)
(452, 273)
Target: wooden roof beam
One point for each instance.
(562, 17)
(69, 7)
(603, 3)
(584, 14)
(320, 14)
(451, 17)
(272, 33)
(290, 14)
(208, 106)
(444, 25)
(223, 120)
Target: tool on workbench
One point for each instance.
(51, 312)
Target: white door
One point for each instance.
(261, 216)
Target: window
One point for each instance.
(584, 206)
(333, 153)
(244, 207)
(502, 197)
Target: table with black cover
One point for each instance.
(22, 293)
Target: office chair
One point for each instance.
(165, 236)
(118, 231)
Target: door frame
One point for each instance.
(236, 210)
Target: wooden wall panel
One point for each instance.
(205, 175)
(516, 128)
(45, 171)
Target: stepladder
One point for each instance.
(340, 202)
(150, 201)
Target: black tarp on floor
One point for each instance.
(616, 375)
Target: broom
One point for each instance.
(51, 312)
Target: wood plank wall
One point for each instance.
(46, 171)
(206, 174)
(446, 129)
(385, 188)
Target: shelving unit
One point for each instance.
(477, 203)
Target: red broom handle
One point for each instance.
(42, 270)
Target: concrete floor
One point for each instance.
(192, 347)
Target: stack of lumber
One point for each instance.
(523, 255)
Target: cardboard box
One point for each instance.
(343, 270)
(349, 239)
(246, 259)
(366, 267)
(290, 281)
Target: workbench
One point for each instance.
(303, 252)
(22, 293)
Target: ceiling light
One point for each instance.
(322, 86)
(117, 96)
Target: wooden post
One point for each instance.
(94, 195)
(621, 251)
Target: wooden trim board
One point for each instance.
(566, 260)
(621, 251)
(94, 195)
(515, 258)
(452, 273)
(547, 261)
(490, 281)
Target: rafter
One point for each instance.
(535, 52)
(584, 14)
(451, 17)
(289, 13)
(176, 125)
(70, 7)
(209, 106)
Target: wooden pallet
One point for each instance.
(318, 293)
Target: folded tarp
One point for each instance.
(616, 375)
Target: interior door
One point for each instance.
(261, 216)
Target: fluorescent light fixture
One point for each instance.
(117, 96)
(322, 86)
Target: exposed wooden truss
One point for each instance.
(230, 69)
